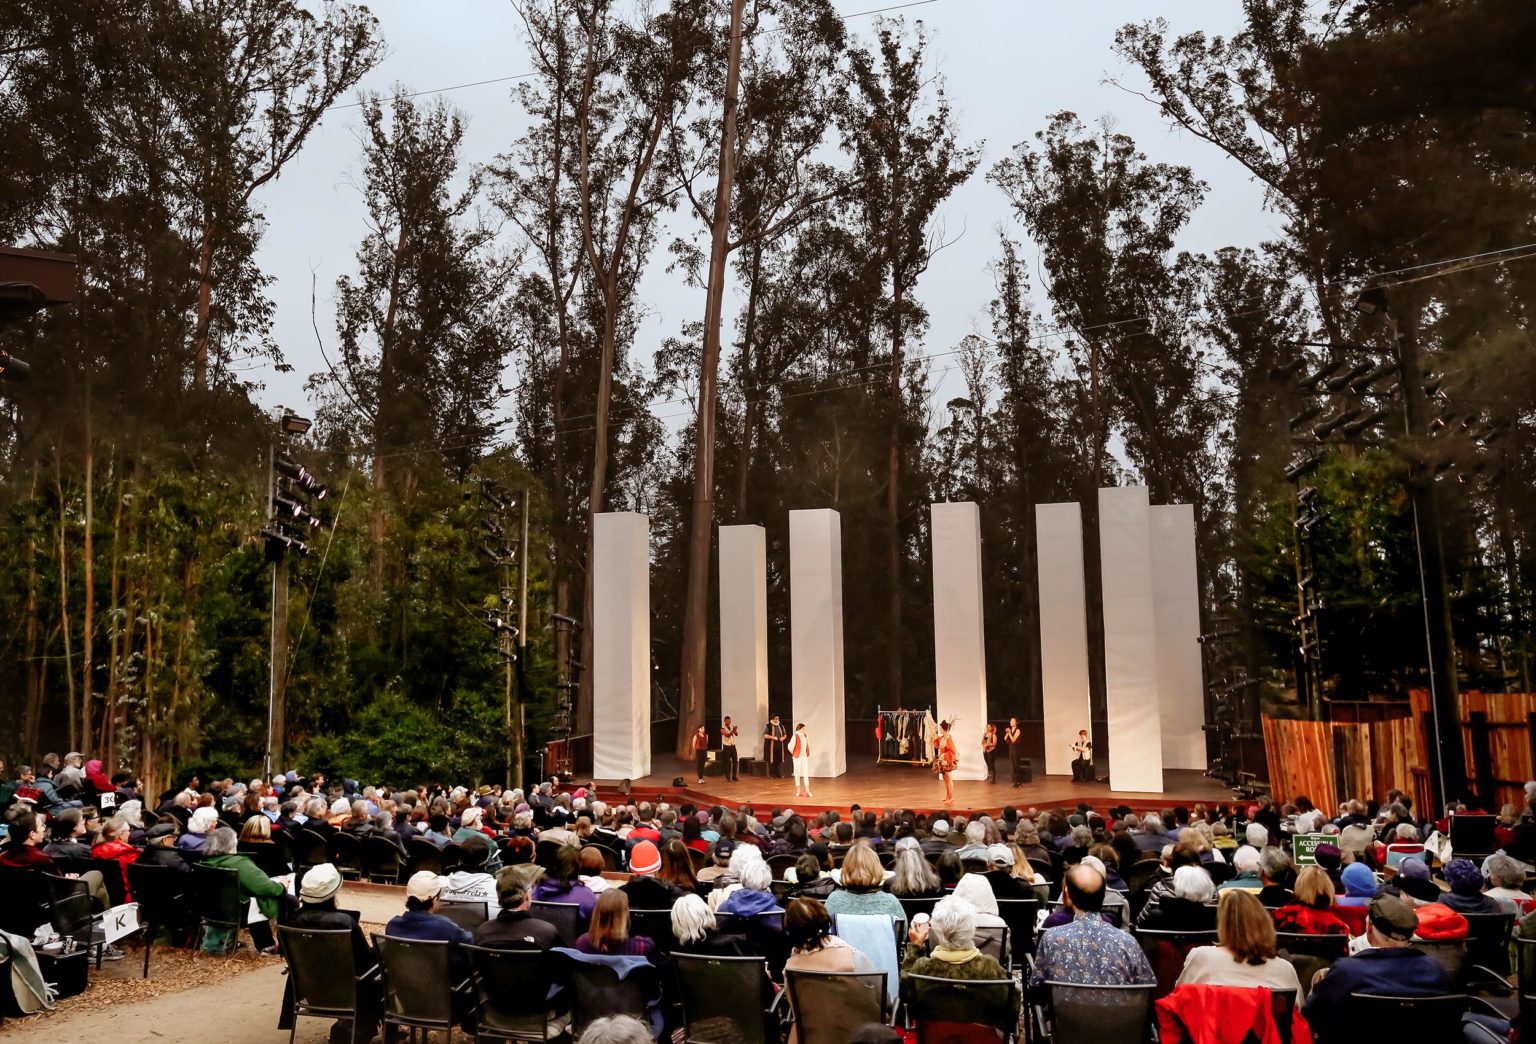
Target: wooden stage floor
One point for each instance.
(875, 786)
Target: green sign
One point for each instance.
(1304, 847)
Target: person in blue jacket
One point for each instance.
(1390, 967)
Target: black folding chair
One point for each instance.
(450, 855)
(1074, 1014)
(345, 852)
(1419, 1018)
(512, 989)
(1166, 952)
(70, 914)
(993, 941)
(1473, 837)
(597, 990)
(564, 916)
(161, 894)
(419, 986)
(610, 857)
(468, 916)
(382, 860)
(913, 907)
(655, 925)
(829, 1006)
(713, 992)
(1488, 946)
(953, 1010)
(780, 863)
(423, 855)
(314, 958)
(24, 901)
(1021, 916)
(544, 854)
(216, 898)
(307, 849)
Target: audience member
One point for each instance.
(608, 933)
(514, 927)
(1088, 951)
(1310, 911)
(696, 932)
(861, 879)
(1187, 909)
(1245, 951)
(1389, 966)
(952, 932)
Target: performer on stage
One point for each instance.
(944, 758)
(773, 747)
(989, 751)
(728, 734)
(800, 751)
(700, 750)
(1082, 764)
(1014, 737)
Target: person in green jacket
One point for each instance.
(952, 929)
(272, 896)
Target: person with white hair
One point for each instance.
(1256, 834)
(1245, 863)
(617, 1029)
(951, 931)
(696, 931)
(1188, 909)
(1506, 877)
(975, 846)
(1152, 836)
(201, 823)
(755, 895)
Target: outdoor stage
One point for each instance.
(875, 786)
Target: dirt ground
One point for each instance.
(191, 996)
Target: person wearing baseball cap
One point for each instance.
(421, 921)
(1390, 966)
(514, 928)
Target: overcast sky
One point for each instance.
(1009, 64)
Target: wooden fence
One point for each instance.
(1331, 761)
(1497, 730)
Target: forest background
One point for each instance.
(488, 330)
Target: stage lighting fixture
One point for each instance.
(12, 368)
(1306, 493)
(1433, 383)
(1359, 424)
(1288, 370)
(1307, 414)
(1365, 380)
(1301, 465)
(1372, 301)
(1216, 636)
(1347, 378)
(490, 526)
(307, 483)
(294, 510)
(1322, 430)
(278, 542)
(293, 424)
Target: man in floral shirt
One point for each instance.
(1088, 951)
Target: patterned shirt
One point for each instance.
(1090, 953)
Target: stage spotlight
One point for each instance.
(1365, 380)
(1359, 424)
(12, 368)
(293, 424)
(300, 474)
(278, 542)
(294, 510)
(1347, 378)
(1304, 416)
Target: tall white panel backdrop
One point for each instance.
(1063, 631)
(816, 635)
(744, 633)
(959, 646)
(1180, 681)
(621, 646)
(1130, 641)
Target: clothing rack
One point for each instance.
(904, 736)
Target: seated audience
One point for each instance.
(1275, 873)
(1310, 911)
(1389, 966)
(515, 928)
(608, 933)
(1506, 881)
(646, 889)
(112, 845)
(67, 829)
(318, 910)
(617, 1029)
(813, 947)
(754, 895)
(1244, 954)
(1359, 885)
(914, 877)
(1187, 909)
(160, 848)
(470, 883)
(1001, 875)
(562, 883)
(953, 953)
(860, 887)
(696, 932)
(421, 921)
(810, 882)
(974, 889)
(1245, 861)
(1088, 951)
(1466, 894)
(272, 897)
(198, 827)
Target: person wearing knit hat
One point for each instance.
(1388, 966)
(644, 858)
(1359, 885)
(1466, 894)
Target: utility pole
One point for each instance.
(1449, 769)
(277, 653)
(522, 642)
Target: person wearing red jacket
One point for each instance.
(113, 846)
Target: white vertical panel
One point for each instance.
(1063, 632)
(1180, 680)
(621, 646)
(1130, 641)
(744, 634)
(959, 645)
(816, 636)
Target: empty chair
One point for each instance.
(655, 925)
(780, 863)
(1488, 942)
(1020, 915)
(450, 855)
(564, 916)
(1472, 837)
(307, 848)
(714, 992)
(220, 912)
(418, 986)
(829, 1006)
(382, 860)
(1075, 1014)
(161, 894)
(1166, 952)
(512, 995)
(320, 980)
(958, 1011)
(423, 855)
(69, 912)
(23, 901)
(345, 852)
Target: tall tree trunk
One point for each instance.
(69, 660)
(88, 576)
(204, 306)
(117, 642)
(37, 662)
(893, 494)
(694, 687)
(595, 493)
(378, 524)
(749, 364)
